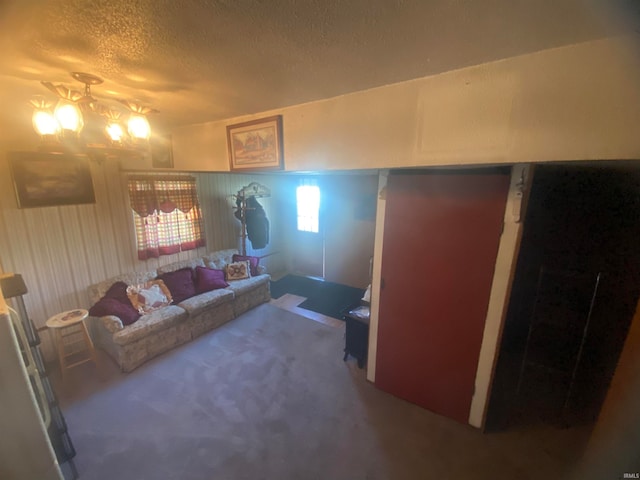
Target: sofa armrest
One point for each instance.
(111, 323)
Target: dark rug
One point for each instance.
(294, 284)
(327, 298)
(267, 396)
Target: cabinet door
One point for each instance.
(441, 238)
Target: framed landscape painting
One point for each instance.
(256, 145)
(48, 179)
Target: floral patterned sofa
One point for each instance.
(164, 328)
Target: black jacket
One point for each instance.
(257, 222)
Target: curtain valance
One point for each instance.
(163, 194)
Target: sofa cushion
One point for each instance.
(207, 279)
(111, 306)
(253, 262)
(240, 287)
(172, 267)
(155, 321)
(195, 305)
(151, 296)
(180, 283)
(219, 259)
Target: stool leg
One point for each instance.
(61, 353)
(89, 343)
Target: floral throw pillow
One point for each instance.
(253, 262)
(150, 296)
(237, 270)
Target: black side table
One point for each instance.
(357, 333)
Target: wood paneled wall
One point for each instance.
(60, 251)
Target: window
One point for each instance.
(166, 215)
(308, 201)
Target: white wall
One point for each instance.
(349, 230)
(571, 103)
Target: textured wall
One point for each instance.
(199, 61)
(579, 102)
(61, 250)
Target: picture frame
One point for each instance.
(162, 152)
(50, 179)
(256, 145)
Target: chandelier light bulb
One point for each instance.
(68, 116)
(139, 127)
(115, 132)
(79, 122)
(44, 123)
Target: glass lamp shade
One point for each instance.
(115, 132)
(69, 116)
(45, 123)
(139, 127)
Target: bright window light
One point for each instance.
(308, 201)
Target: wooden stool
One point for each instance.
(74, 344)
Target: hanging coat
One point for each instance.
(256, 221)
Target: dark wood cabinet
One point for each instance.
(356, 333)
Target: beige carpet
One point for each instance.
(267, 396)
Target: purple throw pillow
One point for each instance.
(253, 262)
(208, 279)
(118, 291)
(180, 284)
(111, 306)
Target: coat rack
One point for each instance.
(256, 190)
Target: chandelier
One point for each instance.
(77, 122)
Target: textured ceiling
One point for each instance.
(197, 61)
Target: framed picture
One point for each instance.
(161, 152)
(50, 179)
(256, 145)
